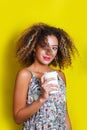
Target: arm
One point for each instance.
(67, 119)
(20, 110)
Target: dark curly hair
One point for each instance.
(37, 34)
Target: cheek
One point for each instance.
(55, 53)
(40, 52)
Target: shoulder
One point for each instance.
(22, 81)
(23, 74)
(62, 75)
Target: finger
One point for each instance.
(42, 79)
(52, 85)
(53, 88)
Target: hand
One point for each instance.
(46, 88)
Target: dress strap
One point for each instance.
(29, 72)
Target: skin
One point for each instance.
(43, 56)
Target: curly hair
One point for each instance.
(37, 34)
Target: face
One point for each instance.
(46, 54)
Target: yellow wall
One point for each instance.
(70, 15)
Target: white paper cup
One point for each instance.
(54, 81)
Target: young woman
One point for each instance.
(38, 47)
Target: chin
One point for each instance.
(46, 62)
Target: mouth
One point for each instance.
(46, 58)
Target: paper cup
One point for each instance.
(54, 81)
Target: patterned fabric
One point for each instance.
(51, 116)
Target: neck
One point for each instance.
(37, 67)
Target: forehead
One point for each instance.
(52, 40)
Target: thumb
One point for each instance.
(43, 78)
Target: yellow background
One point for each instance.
(15, 16)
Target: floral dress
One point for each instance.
(51, 115)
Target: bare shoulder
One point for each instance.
(62, 75)
(24, 73)
(23, 76)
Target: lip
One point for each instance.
(46, 58)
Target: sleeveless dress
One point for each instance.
(51, 115)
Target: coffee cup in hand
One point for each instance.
(54, 81)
